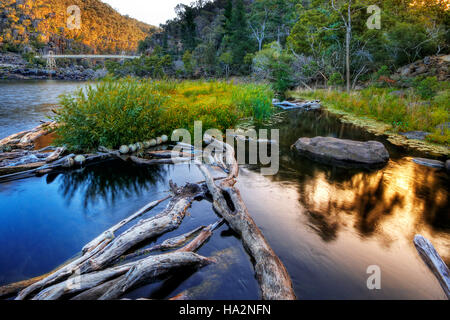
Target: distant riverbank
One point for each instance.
(14, 67)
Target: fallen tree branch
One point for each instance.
(434, 261)
(152, 268)
(168, 244)
(271, 274)
(109, 234)
(150, 228)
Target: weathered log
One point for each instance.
(60, 274)
(203, 236)
(168, 244)
(434, 261)
(140, 161)
(166, 221)
(96, 292)
(13, 288)
(164, 154)
(81, 282)
(272, 276)
(56, 154)
(4, 171)
(36, 133)
(109, 234)
(14, 138)
(286, 105)
(151, 269)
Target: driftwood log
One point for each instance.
(26, 139)
(308, 105)
(272, 276)
(99, 273)
(434, 261)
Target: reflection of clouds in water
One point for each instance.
(108, 182)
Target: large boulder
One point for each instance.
(346, 153)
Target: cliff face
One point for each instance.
(34, 24)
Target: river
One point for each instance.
(327, 224)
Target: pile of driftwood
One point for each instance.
(109, 266)
(305, 105)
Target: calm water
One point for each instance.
(326, 224)
(24, 104)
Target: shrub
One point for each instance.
(336, 79)
(427, 88)
(126, 111)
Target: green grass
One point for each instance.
(115, 112)
(404, 113)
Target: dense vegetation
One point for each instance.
(125, 111)
(293, 42)
(32, 24)
(406, 111)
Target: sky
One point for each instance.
(153, 12)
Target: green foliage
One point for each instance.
(336, 79)
(156, 66)
(188, 63)
(408, 113)
(36, 23)
(274, 64)
(427, 88)
(126, 111)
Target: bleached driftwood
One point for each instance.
(272, 276)
(97, 247)
(152, 268)
(309, 105)
(434, 261)
(167, 220)
(28, 137)
(109, 234)
(172, 243)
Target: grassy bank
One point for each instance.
(400, 111)
(115, 112)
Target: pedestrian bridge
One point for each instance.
(86, 56)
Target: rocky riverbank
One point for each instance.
(14, 67)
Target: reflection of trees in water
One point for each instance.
(401, 199)
(109, 181)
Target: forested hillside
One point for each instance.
(33, 24)
(299, 41)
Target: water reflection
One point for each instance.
(108, 182)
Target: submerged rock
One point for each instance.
(430, 163)
(343, 152)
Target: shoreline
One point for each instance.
(381, 129)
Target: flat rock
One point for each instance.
(430, 163)
(346, 153)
